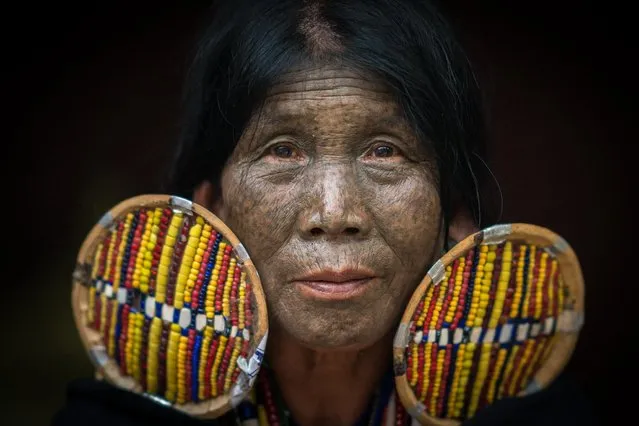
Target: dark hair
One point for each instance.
(407, 44)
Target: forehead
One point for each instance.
(313, 90)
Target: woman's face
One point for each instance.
(336, 201)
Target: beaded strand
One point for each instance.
(171, 303)
(503, 297)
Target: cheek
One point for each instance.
(409, 219)
(261, 215)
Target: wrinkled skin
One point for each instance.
(329, 175)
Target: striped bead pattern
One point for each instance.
(172, 304)
(482, 333)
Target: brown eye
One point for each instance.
(282, 151)
(383, 151)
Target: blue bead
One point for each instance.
(196, 367)
(482, 334)
(118, 329)
(158, 309)
(497, 332)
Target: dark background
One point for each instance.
(92, 96)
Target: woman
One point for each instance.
(340, 142)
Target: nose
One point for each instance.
(336, 207)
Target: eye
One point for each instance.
(383, 151)
(282, 151)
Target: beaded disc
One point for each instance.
(497, 316)
(169, 305)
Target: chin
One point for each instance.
(341, 342)
(341, 330)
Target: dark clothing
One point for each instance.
(95, 403)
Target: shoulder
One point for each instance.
(96, 403)
(563, 403)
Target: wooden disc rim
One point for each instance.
(213, 407)
(565, 343)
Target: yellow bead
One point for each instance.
(189, 252)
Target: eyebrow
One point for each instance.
(271, 124)
(293, 122)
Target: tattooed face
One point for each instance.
(337, 203)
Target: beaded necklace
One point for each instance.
(267, 406)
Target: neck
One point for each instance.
(324, 387)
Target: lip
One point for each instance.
(335, 284)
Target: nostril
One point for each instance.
(351, 231)
(316, 231)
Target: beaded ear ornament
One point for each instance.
(497, 316)
(169, 305)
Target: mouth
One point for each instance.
(335, 284)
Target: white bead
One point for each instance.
(522, 332)
(219, 323)
(489, 337)
(167, 313)
(475, 334)
(536, 328)
(432, 336)
(246, 334)
(458, 336)
(149, 306)
(200, 322)
(108, 290)
(506, 332)
(185, 318)
(548, 325)
(234, 331)
(122, 293)
(443, 337)
(418, 337)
